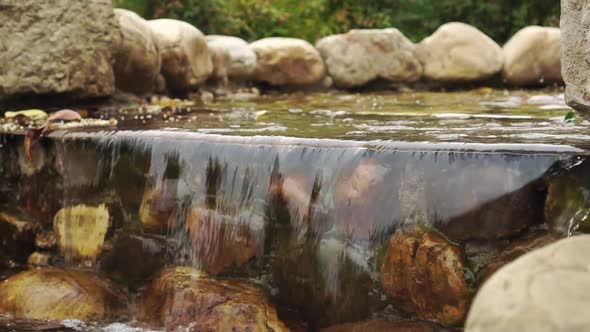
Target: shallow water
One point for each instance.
(300, 194)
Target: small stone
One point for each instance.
(39, 259)
(80, 231)
(45, 240)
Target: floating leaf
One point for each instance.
(34, 114)
(570, 116)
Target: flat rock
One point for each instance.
(532, 57)
(58, 294)
(57, 47)
(287, 61)
(458, 52)
(184, 298)
(542, 290)
(137, 57)
(360, 56)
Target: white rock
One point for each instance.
(137, 58)
(458, 52)
(543, 290)
(532, 56)
(186, 61)
(241, 55)
(287, 61)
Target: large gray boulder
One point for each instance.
(287, 61)
(458, 52)
(360, 56)
(137, 58)
(543, 290)
(532, 57)
(186, 60)
(242, 59)
(575, 52)
(57, 47)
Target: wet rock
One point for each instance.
(242, 59)
(78, 165)
(287, 61)
(575, 52)
(45, 240)
(567, 206)
(28, 167)
(80, 231)
(57, 294)
(424, 274)
(39, 259)
(360, 56)
(358, 194)
(186, 61)
(33, 114)
(294, 193)
(499, 205)
(540, 291)
(17, 236)
(183, 297)
(134, 258)
(514, 250)
(458, 52)
(137, 58)
(386, 326)
(224, 240)
(66, 50)
(532, 57)
(157, 206)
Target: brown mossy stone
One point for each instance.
(424, 274)
(182, 297)
(39, 259)
(58, 294)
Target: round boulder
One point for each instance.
(287, 61)
(532, 57)
(183, 297)
(542, 290)
(186, 61)
(137, 58)
(58, 294)
(458, 52)
(424, 274)
(242, 59)
(360, 56)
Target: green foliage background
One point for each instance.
(313, 19)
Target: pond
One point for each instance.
(303, 211)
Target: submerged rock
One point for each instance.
(424, 274)
(157, 206)
(575, 52)
(181, 297)
(287, 61)
(80, 231)
(66, 51)
(542, 290)
(242, 59)
(17, 236)
(224, 241)
(58, 294)
(532, 57)
(360, 56)
(512, 251)
(458, 52)
(39, 259)
(137, 57)
(186, 61)
(386, 326)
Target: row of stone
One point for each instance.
(456, 53)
